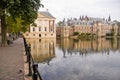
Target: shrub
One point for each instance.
(76, 33)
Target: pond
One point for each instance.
(74, 59)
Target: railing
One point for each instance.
(33, 67)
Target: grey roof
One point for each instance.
(46, 13)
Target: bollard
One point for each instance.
(35, 66)
(29, 62)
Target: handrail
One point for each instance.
(33, 69)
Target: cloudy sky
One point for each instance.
(74, 8)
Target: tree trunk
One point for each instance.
(3, 30)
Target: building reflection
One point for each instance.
(76, 46)
(42, 50)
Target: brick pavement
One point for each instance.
(11, 61)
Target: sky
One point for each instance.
(75, 8)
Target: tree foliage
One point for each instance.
(19, 12)
(60, 23)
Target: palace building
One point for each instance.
(45, 26)
(97, 26)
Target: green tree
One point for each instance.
(60, 23)
(25, 10)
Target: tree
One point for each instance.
(60, 23)
(26, 10)
(15, 26)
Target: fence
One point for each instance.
(33, 67)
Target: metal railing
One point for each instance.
(32, 65)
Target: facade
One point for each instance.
(45, 27)
(97, 26)
(118, 28)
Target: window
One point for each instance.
(40, 41)
(45, 29)
(33, 29)
(39, 35)
(51, 29)
(33, 34)
(39, 29)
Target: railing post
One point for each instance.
(29, 62)
(35, 66)
(27, 52)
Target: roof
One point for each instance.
(47, 14)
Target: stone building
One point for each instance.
(97, 26)
(45, 26)
(118, 28)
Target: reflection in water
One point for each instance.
(42, 50)
(73, 46)
(77, 60)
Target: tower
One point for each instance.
(109, 18)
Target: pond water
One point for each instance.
(73, 59)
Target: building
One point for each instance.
(118, 28)
(45, 26)
(97, 26)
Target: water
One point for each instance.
(73, 59)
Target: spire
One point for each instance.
(83, 17)
(63, 22)
(80, 18)
(109, 19)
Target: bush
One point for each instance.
(76, 33)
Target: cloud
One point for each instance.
(75, 8)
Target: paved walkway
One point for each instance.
(11, 61)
